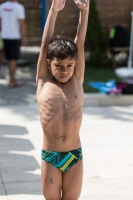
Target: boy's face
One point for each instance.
(62, 70)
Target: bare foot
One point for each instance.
(14, 85)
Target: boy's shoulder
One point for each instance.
(51, 82)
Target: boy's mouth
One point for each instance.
(63, 76)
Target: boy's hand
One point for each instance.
(82, 4)
(58, 5)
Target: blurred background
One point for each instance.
(104, 14)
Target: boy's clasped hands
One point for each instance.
(58, 5)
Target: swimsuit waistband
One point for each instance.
(62, 151)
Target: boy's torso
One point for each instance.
(60, 110)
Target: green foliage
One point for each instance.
(95, 39)
(102, 74)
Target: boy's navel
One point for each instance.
(63, 137)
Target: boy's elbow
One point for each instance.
(79, 42)
(44, 45)
(45, 42)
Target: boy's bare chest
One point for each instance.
(54, 100)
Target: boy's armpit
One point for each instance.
(42, 80)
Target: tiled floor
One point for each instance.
(107, 138)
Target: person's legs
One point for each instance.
(1, 55)
(12, 65)
(12, 51)
(72, 182)
(51, 181)
(1, 60)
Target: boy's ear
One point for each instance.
(49, 63)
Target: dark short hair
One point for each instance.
(62, 48)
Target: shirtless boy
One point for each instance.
(60, 75)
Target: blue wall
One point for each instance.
(44, 12)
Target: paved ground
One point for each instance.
(106, 134)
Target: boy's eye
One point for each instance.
(58, 66)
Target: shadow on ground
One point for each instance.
(111, 112)
(17, 165)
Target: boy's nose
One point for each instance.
(63, 70)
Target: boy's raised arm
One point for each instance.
(83, 5)
(42, 69)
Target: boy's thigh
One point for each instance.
(72, 182)
(51, 181)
